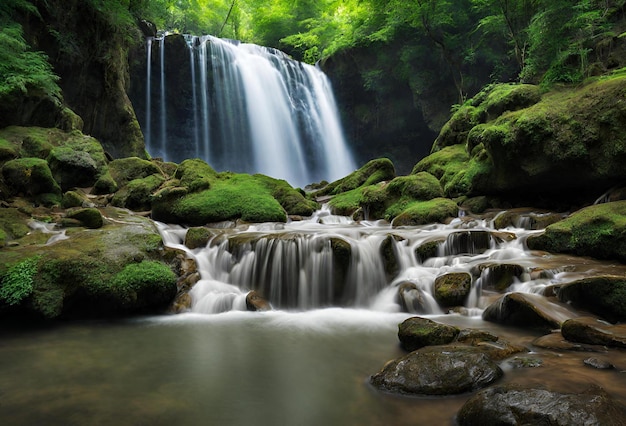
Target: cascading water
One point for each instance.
(249, 109)
(330, 260)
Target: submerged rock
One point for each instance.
(592, 331)
(439, 370)
(514, 405)
(410, 298)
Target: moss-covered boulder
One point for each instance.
(604, 296)
(598, 231)
(374, 171)
(121, 268)
(452, 289)
(137, 194)
(499, 276)
(30, 177)
(125, 170)
(424, 212)
(428, 249)
(417, 332)
(198, 237)
(88, 217)
(564, 147)
(13, 225)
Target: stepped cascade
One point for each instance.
(332, 261)
(242, 108)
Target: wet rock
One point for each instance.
(255, 302)
(499, 277)
(452, 289)
(88, 217)
(556, 341)
(425, 212)
(389, 257)
(417, 332)
(427, 250)
(472, 336)
(604, 296)
(499, 349)
(198, 237)
(528, 310)
(410, 298)
(467, 242)
(599, 363)
(438, 370)
(514, 405)
(524, 362)
(592, 331)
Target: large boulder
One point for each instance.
(528, 310)
(588, 330)
(598, 231)
(604, 296)
(119, 269)
(514, 405)
(438, 370)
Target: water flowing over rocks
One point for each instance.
(589, 330)
(528, 310)
(512, 405)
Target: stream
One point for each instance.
(307, 361)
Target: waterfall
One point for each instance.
(147, 131)
(331, 261)
(249, 109)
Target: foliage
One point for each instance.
(17, 283)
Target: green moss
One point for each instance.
(30, 176)
(195, 174)
(424, 212)
(510, 97)
(374, 171)
(126, 169)
(17, 283)
(419, 186)
(137, 195)
(292, 200)
(140, 284)
(88, 217)
(73, 199)
(13, 223)
(598, 231)
(197, 237)
(105, 184)
(7, 150)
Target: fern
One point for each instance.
(17, 284)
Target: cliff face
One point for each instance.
(88, 51)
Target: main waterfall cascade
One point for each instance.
(328, 261)
(250, 109)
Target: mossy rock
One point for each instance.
(419, 186)
(126, 169)
(232, 197)
(137, 194)
(195, 174)
(452, 289)
(428, 249)
(72, 168)
(416, 332)
(198, 237)
(29, 176)
(8, 151)
(74, 199)
(13, 224)
(425, 212)
(604, 296)
(292, 200)
(373, 172)
(88, 217)
(598, 231)
(105, 184)
(389, 257)
(120, 269)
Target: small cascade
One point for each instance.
(248, 109)
(327, 261)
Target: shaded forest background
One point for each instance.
(399, 67)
